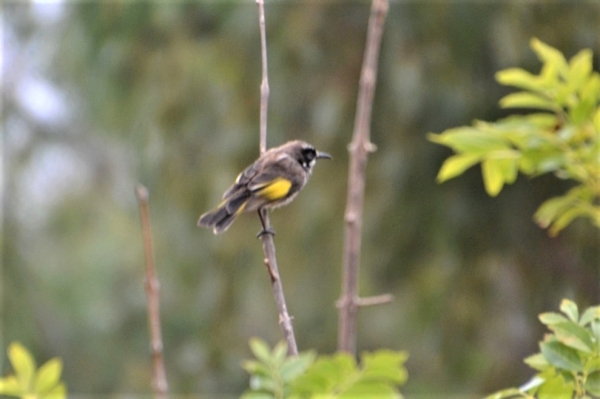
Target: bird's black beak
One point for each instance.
(323, 155)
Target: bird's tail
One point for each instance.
(221, 218)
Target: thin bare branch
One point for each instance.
(369, 301)
(375, 300)
(359, 148)
(285, 321)
(264, 85)
(152, 286)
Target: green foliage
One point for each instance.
(27, 382)
(273, 375)
(273, 371)
(568, 364)
(338, 376)
(564, 139)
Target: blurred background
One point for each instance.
(98, 96)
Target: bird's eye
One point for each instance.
(309, 154)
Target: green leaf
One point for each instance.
(456, 165)
(556, 388)
(385, 365)
(326, 373)
(296, 366)
(48, 376)
(574, 336)
(257, 395)
(467, 139)
(537, 361)
(596, 329)
(311, 383)
(569, 308)
(541, 120)
(279, 354)
(591, 313)
(592, 383)
(493, 178)
(262, 383)
(261, 350)
(590, 90)
(525, 99)
(58, 392)
(566, 218)
(520, 78)
(342, 365)
(10, 386)
(550, 209)
(379, 375)
(592, 364)
(370, 389)
(561, 356)
(582, 110)
(596, 120)
(23, 364)
(550, 56)
(580, 67)
(254, 367)
(535, 161)
(509, 164)
(548, 318)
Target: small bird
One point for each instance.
(273, 180)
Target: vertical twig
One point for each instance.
(359, 148)
(152, 286)
(264, 84)
(285, 321)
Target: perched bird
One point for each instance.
(273, 180)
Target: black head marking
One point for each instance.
(307, 157)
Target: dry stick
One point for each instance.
(264, 84)
(360, 146)
(285, 321)
(152, 286)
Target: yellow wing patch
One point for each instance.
(276, 189)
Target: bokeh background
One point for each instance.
(98, 96)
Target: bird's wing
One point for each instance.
(242, 180)
(263, 174)
(272, 171)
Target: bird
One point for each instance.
(273, 180)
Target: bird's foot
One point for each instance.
(265, 231)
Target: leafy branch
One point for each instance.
(568, 364)
(27, 382)
(563, 139)
(275, 376)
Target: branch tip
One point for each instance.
(370, 147)
(152, 286)
(375, 300)
(141, 192)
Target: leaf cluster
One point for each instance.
(27, 382)
(568, 363)
(273, 375)
(563, 139)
